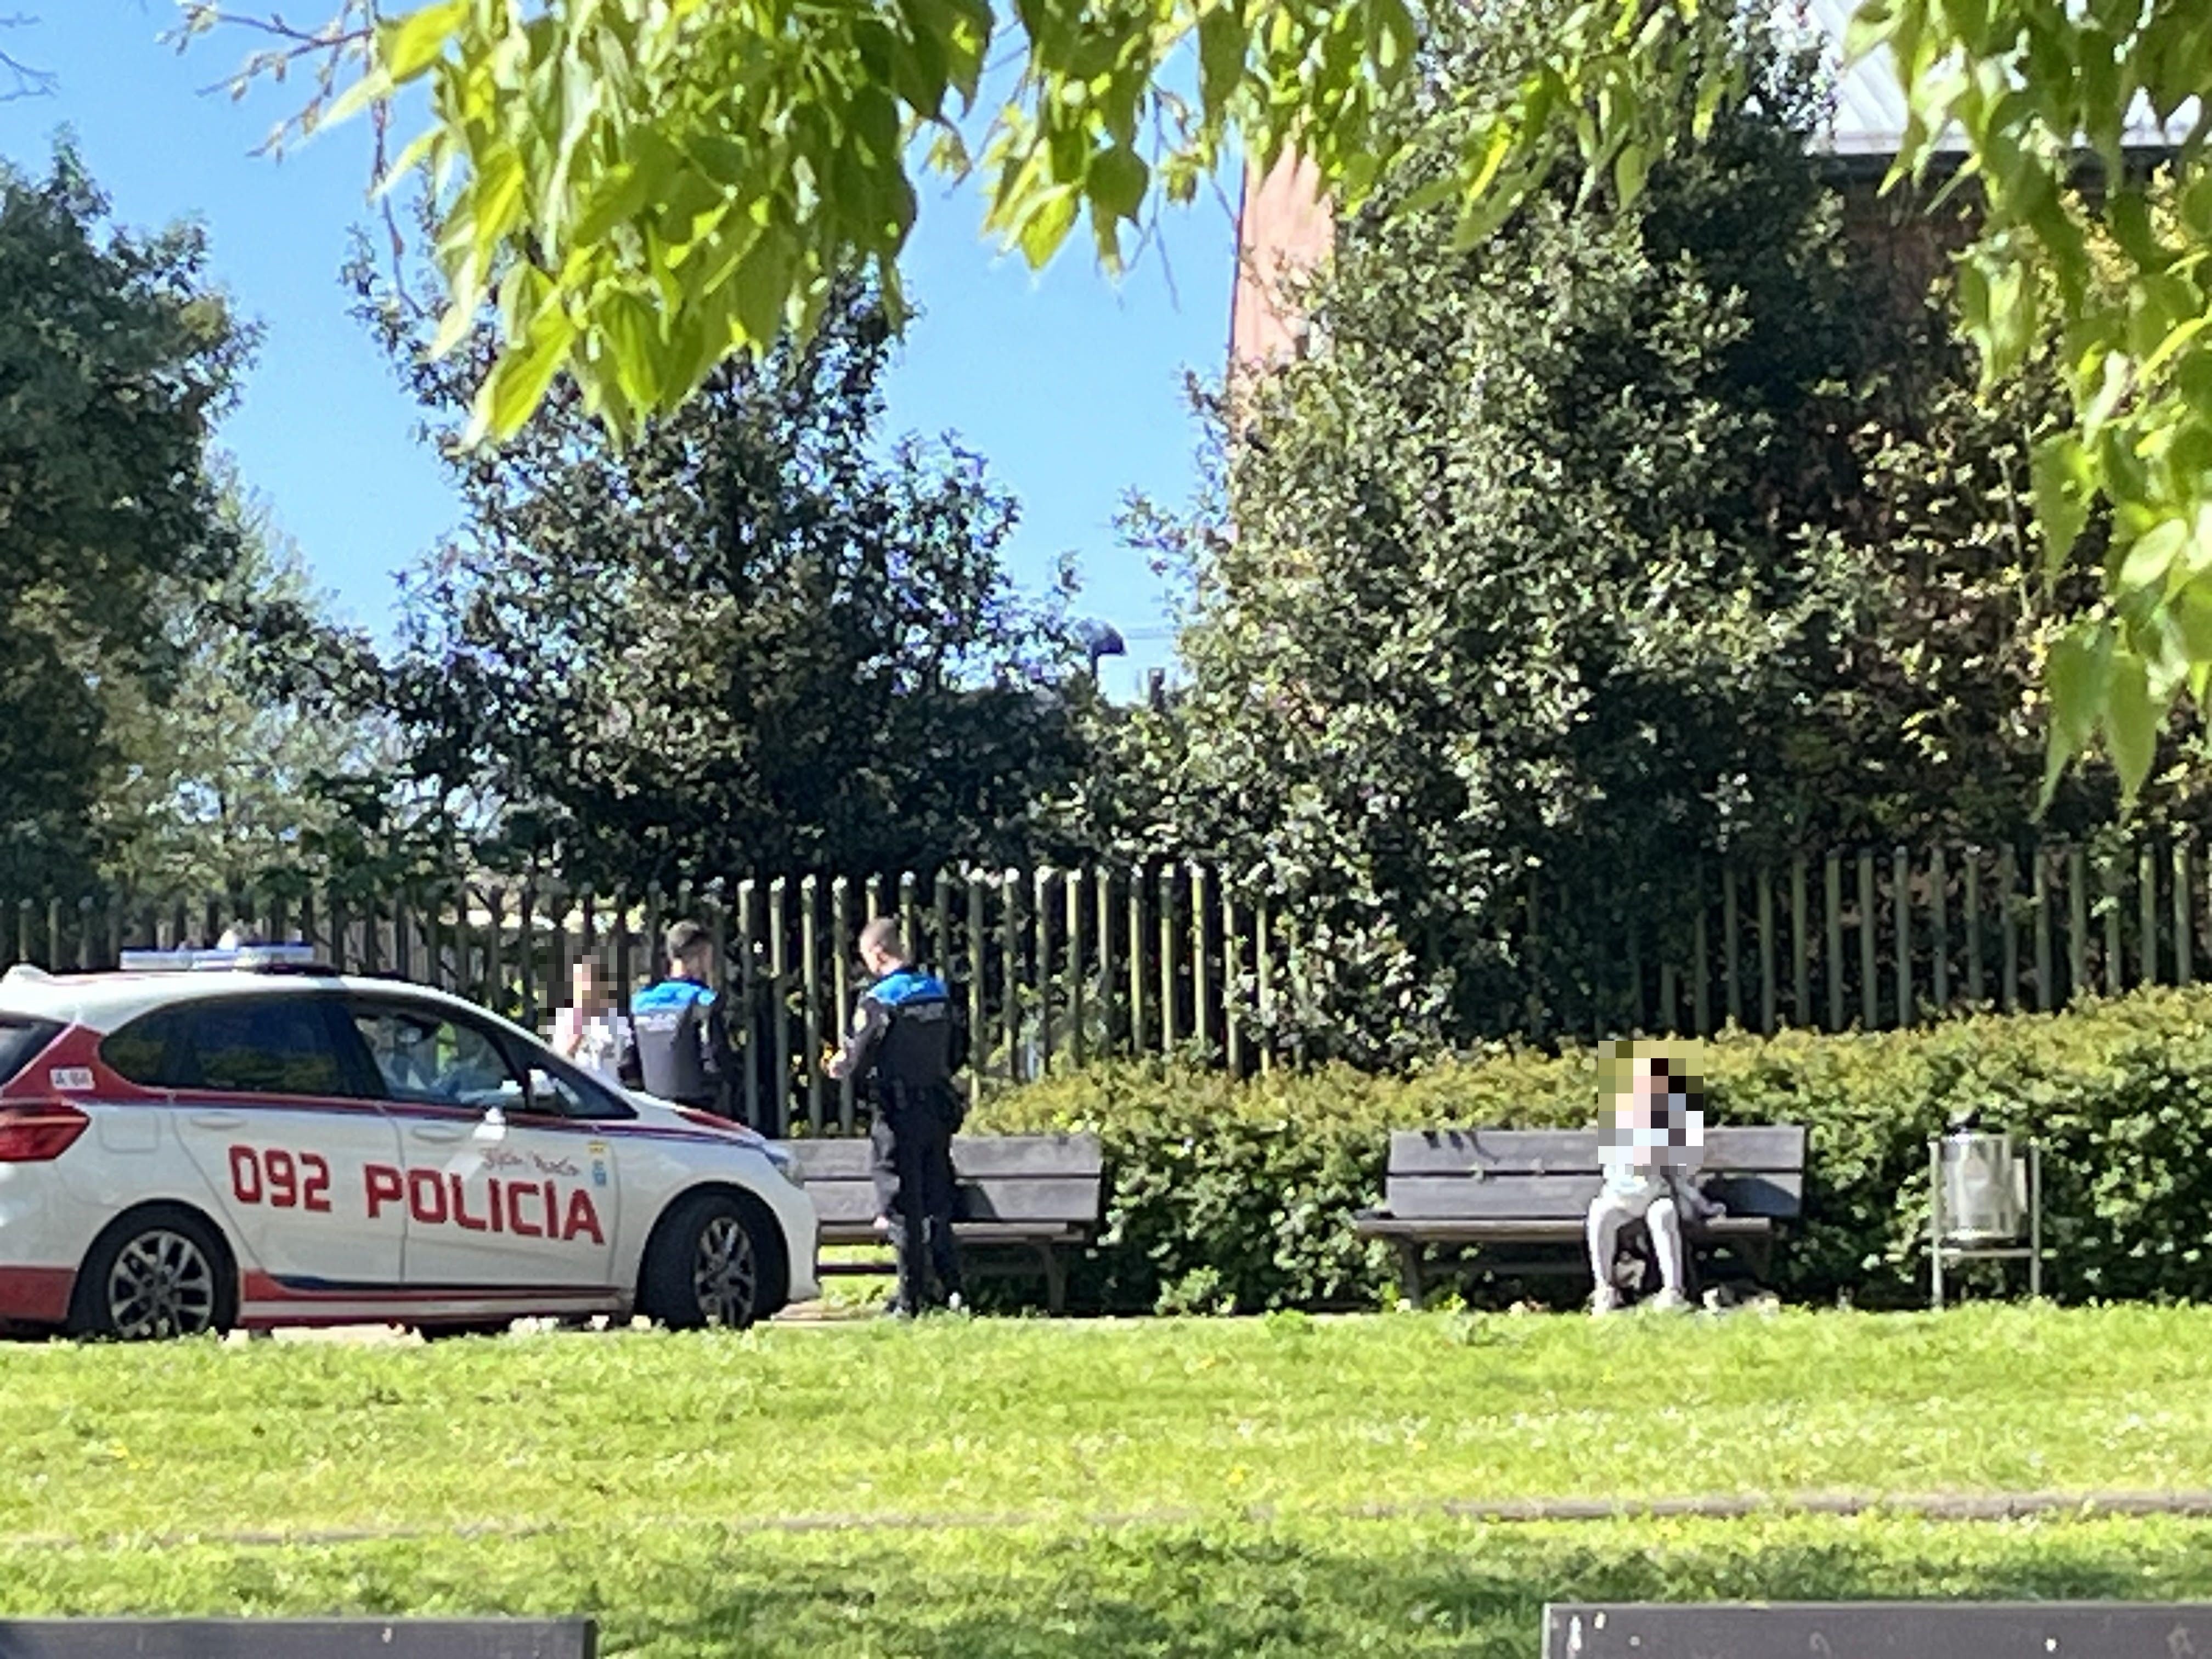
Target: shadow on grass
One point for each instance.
(1318, 1587)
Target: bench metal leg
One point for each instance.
(1055, 1279)
(1409, 1270)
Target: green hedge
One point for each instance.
(1240, 1196)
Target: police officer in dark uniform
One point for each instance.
(902, 1049)
(677, 1042)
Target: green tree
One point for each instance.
(1628, 538)
(220, 775)
(752, 640)
(116, 358)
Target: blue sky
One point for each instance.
(1069, 384)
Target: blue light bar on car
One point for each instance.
(244, 959)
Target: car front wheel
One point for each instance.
(707, 1266)
(157, 1272)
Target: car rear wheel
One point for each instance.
(707, 1266)
(157, 1272)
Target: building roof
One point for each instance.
(1869, 114)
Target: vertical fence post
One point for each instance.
(977, 989)
(1138, 1024)
(1040, 968)
(494, 991)
(778, 999)
(1232, 982)
(1869, 976)
(1264, 946)
(810, 980)
(1078, 1048)
(1731, 931)
(2046, 992)
(525, 946)
(1831, 897)
(1101, 920)
(1010, 966)
(2008, 924)
(1801, 955)
(1939, 945)
(1167, 960)
(941, 922)
(1900, 900)
(749, 1005)
(1701, 993)
(2116, 967)
(909, 893)
(841, 980)
(1973, 901)
(2077, 922)
(84, 940)
(2185, 942)
(1767, 994)
(1633, 1013)
(2147, 914)
(1201, 1019)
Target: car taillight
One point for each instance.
(39, 1130)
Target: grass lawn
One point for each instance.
(1032, 1487)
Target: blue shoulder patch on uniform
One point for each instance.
(671, 995)
(909, 985)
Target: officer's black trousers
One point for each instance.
(913, 1146)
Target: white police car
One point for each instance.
(210, 1139)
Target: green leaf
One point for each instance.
(1223, 41)
(407, 45)
(2075, 678)
(518, 382)
(2131, 720)
(1117, 178)
(2060, 470)
(1630, 169)
(2153, 556)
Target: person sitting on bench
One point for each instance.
(1651, 1138)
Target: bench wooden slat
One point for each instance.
(976, 1232)
(1558, 1231)
(981, 1157)
(1778, 1148)
(1530, 1197)
(1879, 1630)
(1071, 1202)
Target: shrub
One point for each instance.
(1240, 1196)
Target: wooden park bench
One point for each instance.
(289, 1638)
(1507, 1199)
(1879, 1630)
(1032, 1196)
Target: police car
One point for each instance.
(214, 1139)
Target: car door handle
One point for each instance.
(438, 1134)
(217, 1121)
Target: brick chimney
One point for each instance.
(1284, 230)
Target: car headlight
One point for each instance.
(786, 1164)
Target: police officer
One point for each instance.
(902, 1048)
(675, 1042)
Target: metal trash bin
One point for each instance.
(1984, 1188)
(1983, 1197)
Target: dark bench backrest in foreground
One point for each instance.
(1532, 1175)
(297, 1639)
(1880, 1629)
(1038, 1181)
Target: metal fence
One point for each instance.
(1059, 967)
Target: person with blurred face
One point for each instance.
(589, 1030)
(1649, 1138)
